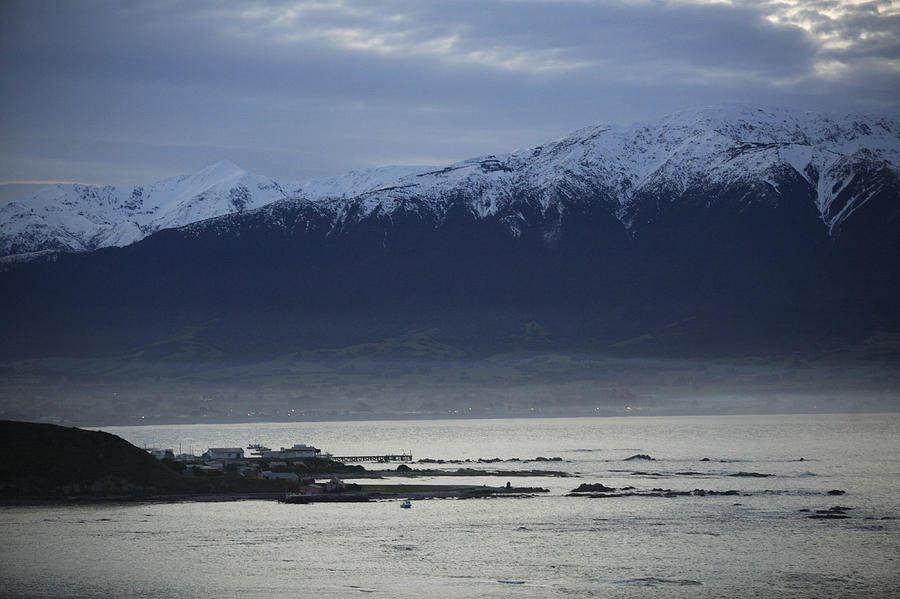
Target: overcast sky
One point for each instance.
(131, 92)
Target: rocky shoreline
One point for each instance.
(368, 493)
(403, 470)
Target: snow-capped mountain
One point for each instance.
(691, 150)
(627, 171)
(716, 229)
(80, 218)
(637, 175)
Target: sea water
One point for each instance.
(760, 543)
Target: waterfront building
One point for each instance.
(224, 453)
(297, 452)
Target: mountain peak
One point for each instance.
(224, 170)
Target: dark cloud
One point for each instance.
(123, 91)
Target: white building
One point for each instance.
(297, 452)
(224, 453)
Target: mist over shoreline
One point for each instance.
(118, 392)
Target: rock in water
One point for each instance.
(640, 456)
(593, 488)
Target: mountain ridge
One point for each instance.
(712, 231)
(614, 167)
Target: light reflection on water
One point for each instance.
(538, 547)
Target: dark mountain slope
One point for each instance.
(731, 229)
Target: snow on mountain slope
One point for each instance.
(79, 218)
(701, 149)
(357, 181)
(845, 161)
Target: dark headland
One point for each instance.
(47, 462)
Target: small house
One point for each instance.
(311, 489)
(224, 453)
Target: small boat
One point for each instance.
(406, 503)
(259, 448)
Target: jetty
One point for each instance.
(392, 457)
(301, 451)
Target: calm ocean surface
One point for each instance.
(757, 544)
